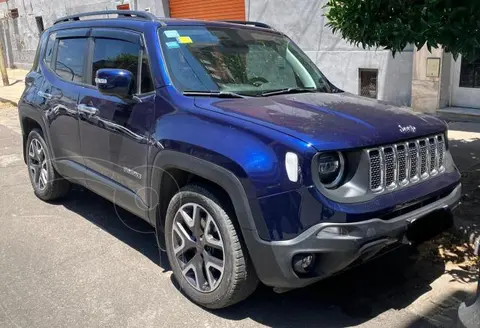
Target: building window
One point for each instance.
(40, 26)
(470, 74)
(368, 83)
(13, 13)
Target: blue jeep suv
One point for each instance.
(226, 138)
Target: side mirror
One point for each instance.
(115, 82)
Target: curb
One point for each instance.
(8, 101)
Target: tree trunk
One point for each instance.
(3, 68)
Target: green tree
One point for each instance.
(393, 24)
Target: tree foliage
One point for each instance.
(393, 24)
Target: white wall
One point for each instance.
(447, 62)
(303, 21)
(23, 32)
(157, 7)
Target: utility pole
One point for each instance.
(3, 68)
(3, 62)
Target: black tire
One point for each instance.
(239, 278)
(56, 186)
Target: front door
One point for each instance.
(466, 83)
(114, 132)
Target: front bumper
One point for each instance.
(357, 242)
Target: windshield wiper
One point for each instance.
(219, 94)
(287, 90)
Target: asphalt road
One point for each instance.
(81, 262)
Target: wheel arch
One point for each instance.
(171, 170)
(27, 125)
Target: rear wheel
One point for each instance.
(205, 252)
(46, 182)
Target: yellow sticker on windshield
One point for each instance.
(184, 39)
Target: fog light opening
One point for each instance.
(304, 263)
(340, 231)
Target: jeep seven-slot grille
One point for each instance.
(397, 165)
(402, 164)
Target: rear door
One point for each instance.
(63, 69)
(114, 132)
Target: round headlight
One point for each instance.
(330, 169)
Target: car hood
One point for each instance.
(329, 120)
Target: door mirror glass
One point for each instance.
(115, 82)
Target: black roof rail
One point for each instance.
(121, 13)
(257, 24)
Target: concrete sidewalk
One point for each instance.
(13, 92)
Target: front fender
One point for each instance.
(235, 154)
(246, 208)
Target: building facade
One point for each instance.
(373, 73)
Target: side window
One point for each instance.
(49, 51)
(40, 48)
(110, 53)
(70, 59)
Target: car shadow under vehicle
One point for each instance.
(118, 222)
(392, 281)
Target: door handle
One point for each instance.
(44, 95)
(87, 109)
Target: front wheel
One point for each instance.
(205, 252)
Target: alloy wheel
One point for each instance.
(198, 247)
(38, 164)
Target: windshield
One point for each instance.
(238, 60)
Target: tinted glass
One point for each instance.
(110, 53)
(241, 60)
(40, 48)
(70, 59)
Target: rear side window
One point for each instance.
(49, 50)
(70, 59)
(112, 53)
(40, 48)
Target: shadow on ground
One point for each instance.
(351, 298)
(393, 281)
(466, 154)
(121, 224)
